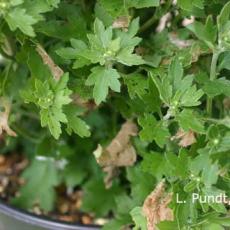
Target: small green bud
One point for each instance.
(216, 141)
(3, 5)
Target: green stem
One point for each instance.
(8, 68)
(26, 135)
(214, 65)
(29, 115)
(148, 23)
(212, 78)
(211, 120)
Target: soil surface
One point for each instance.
(68, 204)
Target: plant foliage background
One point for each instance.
(78, 74)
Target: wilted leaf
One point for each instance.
(180, 43)
(188, 21)
(163, 22)
(118, 153)
(4, 117)
(111, 172)
(186, 138)
(155, 207)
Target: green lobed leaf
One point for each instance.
(139, 188)
(153, 130)
(105, 201)
(138, 218)
(206, 33)
(154, 163)
(210, 174)
(189, 5)
(76, 124)
(137, 84)
(42, 175)
(102, 79)
(176, 73)
(18, 18)
(217, 87)
(188, 120)
(223, 17)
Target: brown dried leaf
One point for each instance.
(121, 22)
(56, 71)
(163, 22)
(155, 207)
(119, 153)
(111, 172)
(181, 44)
(186, 138)
(4, 117)
(127, 157)
(188, 21)
(122, 139)
(100, 155)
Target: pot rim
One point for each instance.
(41, 221)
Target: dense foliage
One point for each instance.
(142, 84)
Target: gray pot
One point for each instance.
(15, 219)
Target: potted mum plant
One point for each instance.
(114, 114)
